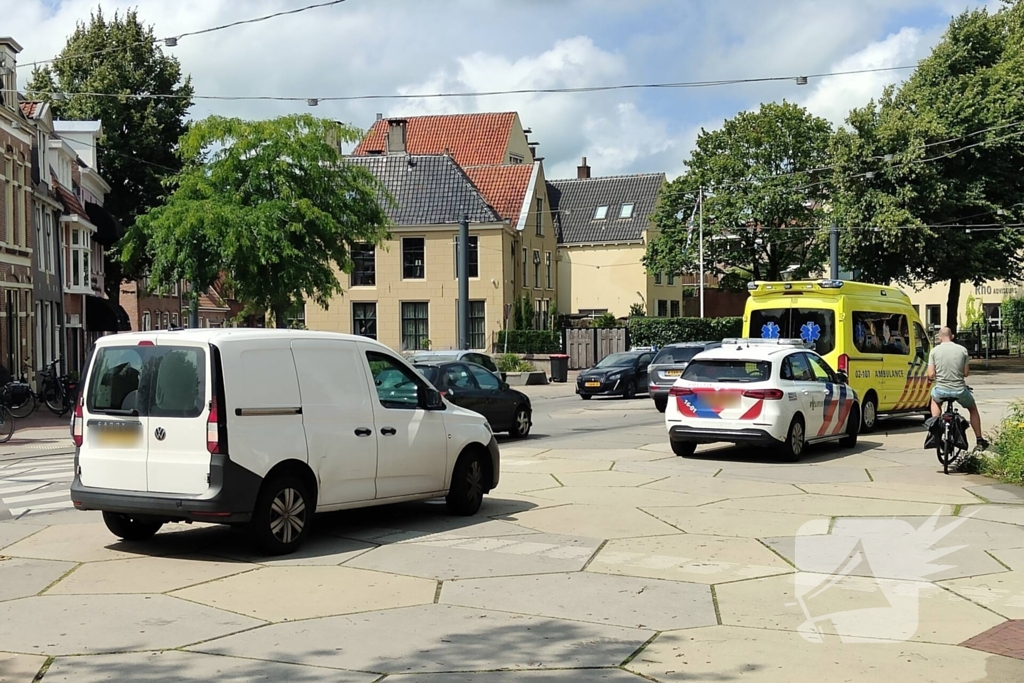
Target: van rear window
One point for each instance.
(154, 381)
(816, 326)
(742, 371)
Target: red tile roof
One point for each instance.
(471, 139)
(503, 186)
(210, 299)
(29, 108)
(68, 198)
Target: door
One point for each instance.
(918, 387)
(412, 443)
(337, 416)
(811, 393)
(642, 374)
(838, 398)
(499, 407)
(461, 388)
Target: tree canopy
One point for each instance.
(955, 136)
(270, 204)
(120, 55)
(760, 178)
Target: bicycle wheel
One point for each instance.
(55, 401)
(945, 450)
(6, 424)
(26, 408)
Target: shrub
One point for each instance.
(510, 362)
(606, 321)
(1008, 462)
(662, 331)
(637, 311)
(529, 341)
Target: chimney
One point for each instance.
(379, 116)
(396, 136)
(583, 171)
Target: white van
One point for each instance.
(264, 427)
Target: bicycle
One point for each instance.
(56, 392)
(19, 398)
(953, 444)
(6, 418)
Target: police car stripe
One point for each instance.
(844, 411)
(830, 409)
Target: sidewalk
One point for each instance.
(41, 433)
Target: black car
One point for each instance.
(620, 374)
(668, 366)
(468, 356)
(473, 387)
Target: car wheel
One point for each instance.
(852, 430)
(586, 397)
(466, 493)
(521, 423)
(684, 449)
(796, 439)
(129, 528)
(629, 392)
(661, 404)
(281, 519)
(869, 414)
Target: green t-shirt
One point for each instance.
(949, 360)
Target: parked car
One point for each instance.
(668, 366)
(477, 357)
(773, 392)
(263, 428)
(475, 388)
(620, 374)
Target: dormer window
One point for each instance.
(601, 213)
(515, 159)
(626, 211)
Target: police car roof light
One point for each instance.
(752, 341)
(831, 284)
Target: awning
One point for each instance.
(108, 228)
(102, 315)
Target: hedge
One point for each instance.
(529, 341)
(662, 331)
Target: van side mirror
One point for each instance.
(842, 377)
(431, 399)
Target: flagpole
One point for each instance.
(700, 237)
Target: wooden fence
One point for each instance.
(587, 346)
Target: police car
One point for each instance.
(770, 392)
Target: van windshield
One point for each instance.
(155, 381)
(817, 326)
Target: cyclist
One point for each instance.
(948, 367)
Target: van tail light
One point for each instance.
(680, 391)
(764, 394)
(844, 363)
(77, 428)
(213, 428)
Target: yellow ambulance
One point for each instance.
(870, 332)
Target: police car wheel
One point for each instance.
(852, 430)
(684, 449)
(793, 448)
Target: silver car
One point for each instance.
(668, 365)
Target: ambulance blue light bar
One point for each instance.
(831, 284)
(759, 341)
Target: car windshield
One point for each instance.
(742, 371)
(428, 371)
(677, 354)
(617, 360)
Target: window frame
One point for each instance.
(417, 336)
(365, 277)
(423, 263)
(623, 213)
(661, 307)
(364, 305)
(479, 372)
(416, 378)
(473, 256)
(815, 360)
(540, 216)
(547, 267)
(536, 268)
(657, 278)
(860, 318)
(601, 213)
(675, 308)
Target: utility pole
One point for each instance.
(193, 306)
(463, 257)
(700, 238)
(833, 251)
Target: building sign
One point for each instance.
(985, 290)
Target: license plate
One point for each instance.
(673, 373)
(117, 438)
(592, 384)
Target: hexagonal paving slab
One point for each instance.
(12, 532)
(792, 475)
(727, 653)
(835, 506)
(906, 492)
(975, 533)
(453, 557)
(1014, 559)
(317, 550)
(19, 668)
(594, 521)
(720, 488)
(187, 667)
(715, 521)
(435, 638)
(88, 624)
(1007, 514)
(145, 575)
(1001, 593)
(689, 557)
(290, 593)
(89, 542)
(1000, 493)
(522, 482)
(623, 497)
(20, 577)
(855, 607)
(619, 600)
(609, 479)
(550, 466)
(392, 531)
(556, 676)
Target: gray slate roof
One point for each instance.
(428, 189)
(575, 203)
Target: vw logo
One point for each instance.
(160, 434)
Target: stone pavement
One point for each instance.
(605, 558)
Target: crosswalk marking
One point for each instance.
(35, 496)
(36, 509)
(22, 488)
(33, 485)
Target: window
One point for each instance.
(40, 258)
(922, 342)
(397, 386)
(675, 313)
(515, 159)
(364, 319)
(795, 369)
(993, 316)
(525, 283)
(80, 247)
(415, 326)
(540, 216)
(413, 249)
(671, 279)
(147, 325)
(547, 267)
(626, 211)
(601, 213)
(814, 325)
(457, 376)
(881, 333)
(21, 234)
(48, 243)
(477, 324)
(9, 191)
(657, 278)
(175, 320)
(474, 256)
(156, 381)
(820, 369)
(933, 312)
(167, 321)
(536, 268)
(364, 269)
(738, 371)
(662, 308)
(677, 354)
(485, 379)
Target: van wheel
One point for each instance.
(869, 412)
(795, 441)
(661, 404)
(466, 493)
(130, 528)
(281, 519)
(684, 449)
(521, 423)
(852, 429)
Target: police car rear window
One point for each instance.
(742, 371)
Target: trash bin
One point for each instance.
(559, 367)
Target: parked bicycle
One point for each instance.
(58, 393)
(6, 418)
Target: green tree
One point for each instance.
(140, 136)
(760, 178)
(921, 156)
(269, 203)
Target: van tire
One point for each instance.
(466, 493)
(869, 413)
(852, 430)
(661, 404)
(130, 528)
(280, 520)
(796, 441)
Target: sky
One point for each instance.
(371, 47)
